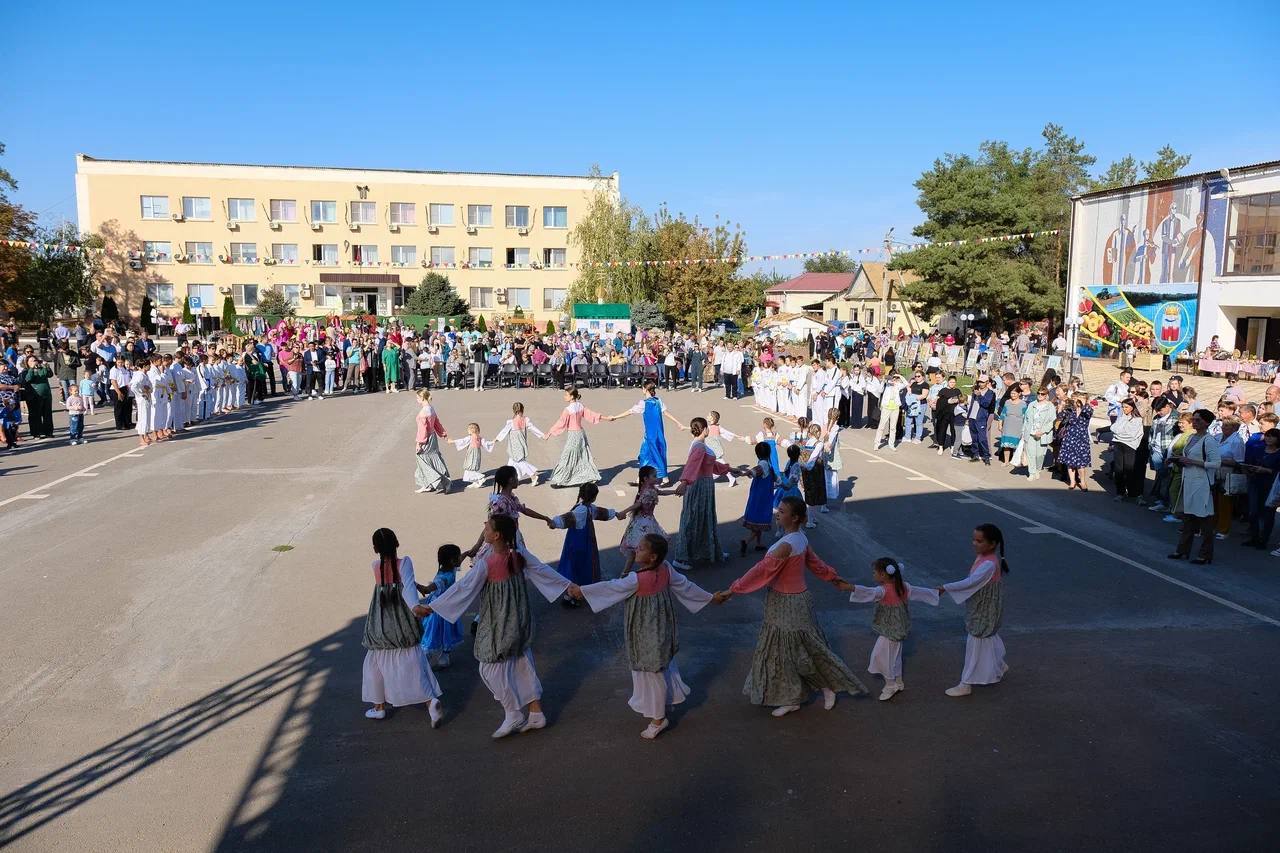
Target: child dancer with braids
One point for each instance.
(982, 593)
(891, 620)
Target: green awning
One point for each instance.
(607, 311)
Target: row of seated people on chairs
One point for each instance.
(598, 375)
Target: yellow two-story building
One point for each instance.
(332, 240)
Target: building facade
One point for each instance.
(805, 293)
(332, 240)
(1177, 263)
(874, 299)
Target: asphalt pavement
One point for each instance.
(182, 661)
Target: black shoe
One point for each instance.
(1201, 561)
(1177, 556)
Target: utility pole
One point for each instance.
(884, 283)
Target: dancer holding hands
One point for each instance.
(891, 620)
(982, 594)
(653, 447)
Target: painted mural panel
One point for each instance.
(1138, 261)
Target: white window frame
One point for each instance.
(194, 256)
(443, 256)
(237, 207)
(280, 251)
(292, 293)
(154, 290)
(547, 304)
(473, 257)
(277, 208)
(397, 211)
(474, 212)
(324, 211)
(476, 297)
(189, 210)
(154, 255)
(366, 250)
(511, 215)
(149, 205)
(332, 257)
(242, 257)
(436, 208)
(548, 259)
(513, 298)
(198, 290)
(238, 295)
(404, 255)
(548, 213)
(332, 296)
(365, 207)
(513, 254)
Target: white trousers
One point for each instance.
(653, 692)
(513, 682)
(146, 413)
(160, 413)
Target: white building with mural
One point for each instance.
(1176, 263)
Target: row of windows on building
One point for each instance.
(361, 254)
(400, 213)
(1251, 248)
(204, 296)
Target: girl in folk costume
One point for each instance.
(504, 502)
(504, 629)
(516, 432)
(758, 517)
(580, 556)
(650, 621)
(472, 445)
(715, 438)
(771, 438)
(642, 521)
(699, 541)
(801, 433)
(815, 473)
(789, 480)
(438, 636)
(653, 447)
(831, 451)
(431, 473)
(792, 659)
(396, 668)
(891, 620)
(982, 593)
(576, 465)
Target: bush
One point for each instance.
(146, 316)
(228, 314)
(188, 316)
(273, 303)
(480, 324)
(110, 312)
(551, 328)
(647, 315)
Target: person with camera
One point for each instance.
(1199, 461)
(39, 397)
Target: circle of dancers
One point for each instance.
(410, 623)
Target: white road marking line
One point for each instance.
(85, 474)
(918, 479)
(620, 493)
(36, 493)
(1038, 529)
(1093, 547)
(968, 501)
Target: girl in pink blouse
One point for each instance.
(576, 465)
(699, 540)
(792, 659)
(431, 474)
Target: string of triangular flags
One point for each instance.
(784, 256)
(791, 256)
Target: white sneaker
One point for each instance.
(511, 723)
(809, 525)
(651, 731)
(939, 451)
(828, 698)
(1219, 536)
(960, 689)
(376, 714)
(1276, 553)
(423, 490)
(679, 566)
(783, 710)
(435, 712)
(537, 720)
(891, 689)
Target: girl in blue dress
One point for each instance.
(758, 517)
(580, 556)
(788, 485)
(769, 437)
(438, 636)
(653, 447)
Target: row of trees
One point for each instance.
(1005, 190)
(36, 284)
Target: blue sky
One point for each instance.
(806, 123)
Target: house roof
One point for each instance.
(1253, 167)
(814, 282)
(788, 318)
(871, 274)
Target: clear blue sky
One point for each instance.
(805, 123)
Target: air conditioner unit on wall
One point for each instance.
(433, 229)
(274, 225)
(232, 225)
(177, 217)
(393, 228)
(355, 226)
(316, 226)
(523, 232)
(471, 229)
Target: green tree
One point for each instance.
(16, 223)
(1121, 173)
(831, 262)
(188, 316)
(481, 326)
(612, 229)
(647, 314)
(273, 303)
(1168, 164)
(55, 280)
(551, 328)
(435, 297)
(693, 290)
(228, 314)
(999, 191)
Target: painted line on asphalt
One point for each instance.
(36, 493)
(1038, 529)
(1156, 573)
